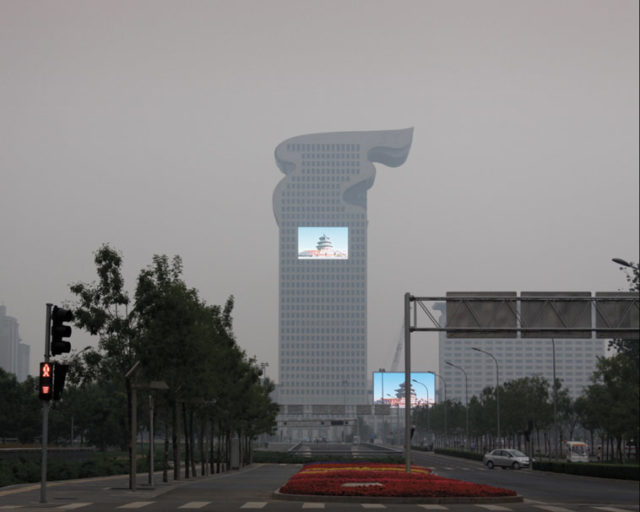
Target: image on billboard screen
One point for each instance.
(323, 243)
(388, 388)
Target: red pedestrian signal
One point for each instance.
(45, 385)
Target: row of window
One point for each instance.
(323, 165)
(323, 147)
(330, 156)
(341, 295)
(320, 327)
(297, 391)
(358, 219)
(301, 282)
(339, 345)
(293, 189)
(339, 382)
(286, 315)
(319, 181)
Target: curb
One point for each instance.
(397, 500)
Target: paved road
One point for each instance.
(568, 490)
(252, 487)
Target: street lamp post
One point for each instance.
(445, 400)
(466, 400)
(497, 386)
(427, 390)
(384, 428)
(397, 416)
(555, 400)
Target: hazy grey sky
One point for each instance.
(151, 125)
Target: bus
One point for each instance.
(576, 451)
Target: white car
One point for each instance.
(506, 458)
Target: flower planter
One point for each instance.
(381, 482)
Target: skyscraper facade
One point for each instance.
(14, 356)
(320, 207)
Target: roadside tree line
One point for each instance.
(215, 392)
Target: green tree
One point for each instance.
(102, 308)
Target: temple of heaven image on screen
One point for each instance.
(320, 207)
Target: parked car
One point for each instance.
(505, 458)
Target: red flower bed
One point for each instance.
(376, 479)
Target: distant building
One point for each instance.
(14, 356)
(24, 359)
(517, 358)
(320, 207)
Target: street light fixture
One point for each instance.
(624, 263)
(427, 390)
(466, 400)
(497, 386)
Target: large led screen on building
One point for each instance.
(323, 243)
(388, 388)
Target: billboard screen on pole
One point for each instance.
(388, 388)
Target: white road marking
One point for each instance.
(434, 507)
(254, 504)
(373, 505)
(195, 504)
(494, 507)
(551, 508)
(313, 505)
(71, 506)
(611, 509)
(137, 504)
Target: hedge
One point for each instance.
(267, 456)
(22, 470)
(619, 471)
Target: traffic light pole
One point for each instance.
(45, 412)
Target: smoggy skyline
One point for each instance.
(152, 126)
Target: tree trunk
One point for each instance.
(186, 440)
(211, 440)
(194, 473)
(175, 438)
(165, 465)
(203, 461)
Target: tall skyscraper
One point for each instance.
(14, 356)
(321, 210)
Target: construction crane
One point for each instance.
(397, 356)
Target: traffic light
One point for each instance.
(59, 330)
(59, 374)
(45, 385)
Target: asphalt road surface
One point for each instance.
(251, 489)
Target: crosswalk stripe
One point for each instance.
(551, 508)
(136, 504)
(433, 507)
(71, 506)
(313, 505)
(254, 504)
(494, 507)
(195, 504)
(373, 505)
